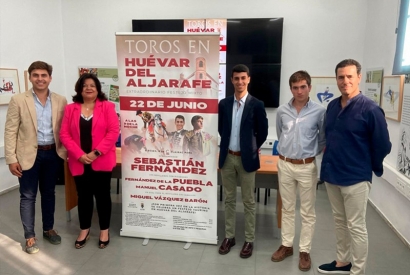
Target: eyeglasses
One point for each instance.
(88, 86)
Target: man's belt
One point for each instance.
(238, 153)
(297, 161)
(46, 147)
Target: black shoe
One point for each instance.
(331, 268)
(102, 245)
(52, 236)
(81, 244)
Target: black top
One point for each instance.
(85, 134)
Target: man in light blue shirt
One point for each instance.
(300, 130)
(34, 152)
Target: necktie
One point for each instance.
(239, 104)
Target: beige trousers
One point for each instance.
(349, 204)
(291, 178)
(232, 172)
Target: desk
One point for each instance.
(266, 177)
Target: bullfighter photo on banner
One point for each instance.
(168, 87)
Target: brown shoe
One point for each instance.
(304, 261)
(246, 251)
(226, 246)
(31, 246)
(282, 253)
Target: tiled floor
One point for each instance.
(387, 254)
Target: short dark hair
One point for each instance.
(40, 65)
(139, 112)
(299, 76)
(194, 119)
(349, 62)
(240, 68)
(78, 97)
(181, 117)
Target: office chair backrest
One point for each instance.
(275, 148)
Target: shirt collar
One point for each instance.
(242, 100)
(359, 95)
(355, 98)
(35, 95)
(308, 103)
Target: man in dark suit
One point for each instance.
(243, 127)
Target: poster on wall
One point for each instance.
(392, 96)
(169, 117)
(403, 158)
(108, 77)
(324, 90)
(9, 84)
(373, 84)
(210, 25)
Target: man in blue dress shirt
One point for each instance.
(301, 135)
(357, 141)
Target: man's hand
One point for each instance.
(15, 169)
(85, 159)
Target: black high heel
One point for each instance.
(81, 244)
(102, 245)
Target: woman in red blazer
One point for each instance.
(89, 131)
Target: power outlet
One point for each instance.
(268, 144)
(401, 186)
(408, 191)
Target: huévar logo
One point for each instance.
(325, 96)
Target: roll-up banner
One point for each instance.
(168, 86)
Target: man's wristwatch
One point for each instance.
(97, 153)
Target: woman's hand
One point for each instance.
(91, 155)
(86, 159)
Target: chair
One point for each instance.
(116, 174)
(274, 153)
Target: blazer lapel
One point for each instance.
(54, 110)
(31, 107)
(230, 111)
(97, 112)
(76, 115)
(246, 109)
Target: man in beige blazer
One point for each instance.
(33, 150)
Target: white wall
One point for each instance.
(317, 35)
(379, 50)
(29, 31)
(71, 33)
(90, 39)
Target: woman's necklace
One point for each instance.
(88, 108)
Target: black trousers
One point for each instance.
(94, 184)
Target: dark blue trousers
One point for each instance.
(43, 176)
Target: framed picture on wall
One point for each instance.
(26, 81)
(9, 84)
(373, 84)
(324, 89)
(392, 96)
